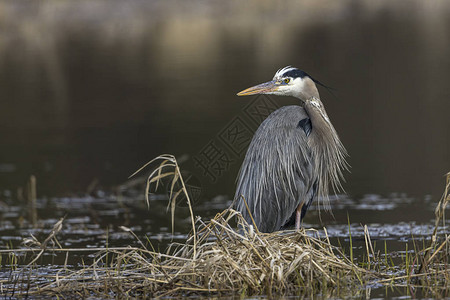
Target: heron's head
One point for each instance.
(288, 81)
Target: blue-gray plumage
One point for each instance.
(293, 157)
(305, 124)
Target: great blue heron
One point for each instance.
(293, 157)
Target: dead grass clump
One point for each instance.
(225, 262)
(255, 263)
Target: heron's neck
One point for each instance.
(320, 121)
(328, 152)
(307, 89)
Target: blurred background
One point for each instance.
(92, 90)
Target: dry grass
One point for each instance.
(433, 270)
(225, 262)
(218, 260)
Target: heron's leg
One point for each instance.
(298, 215)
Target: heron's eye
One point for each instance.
(286, 80)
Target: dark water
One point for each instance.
(91, 90)
(94, 89)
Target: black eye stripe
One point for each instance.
(296, 73)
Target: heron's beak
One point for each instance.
(263, 88)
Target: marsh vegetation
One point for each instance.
(216, 259)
